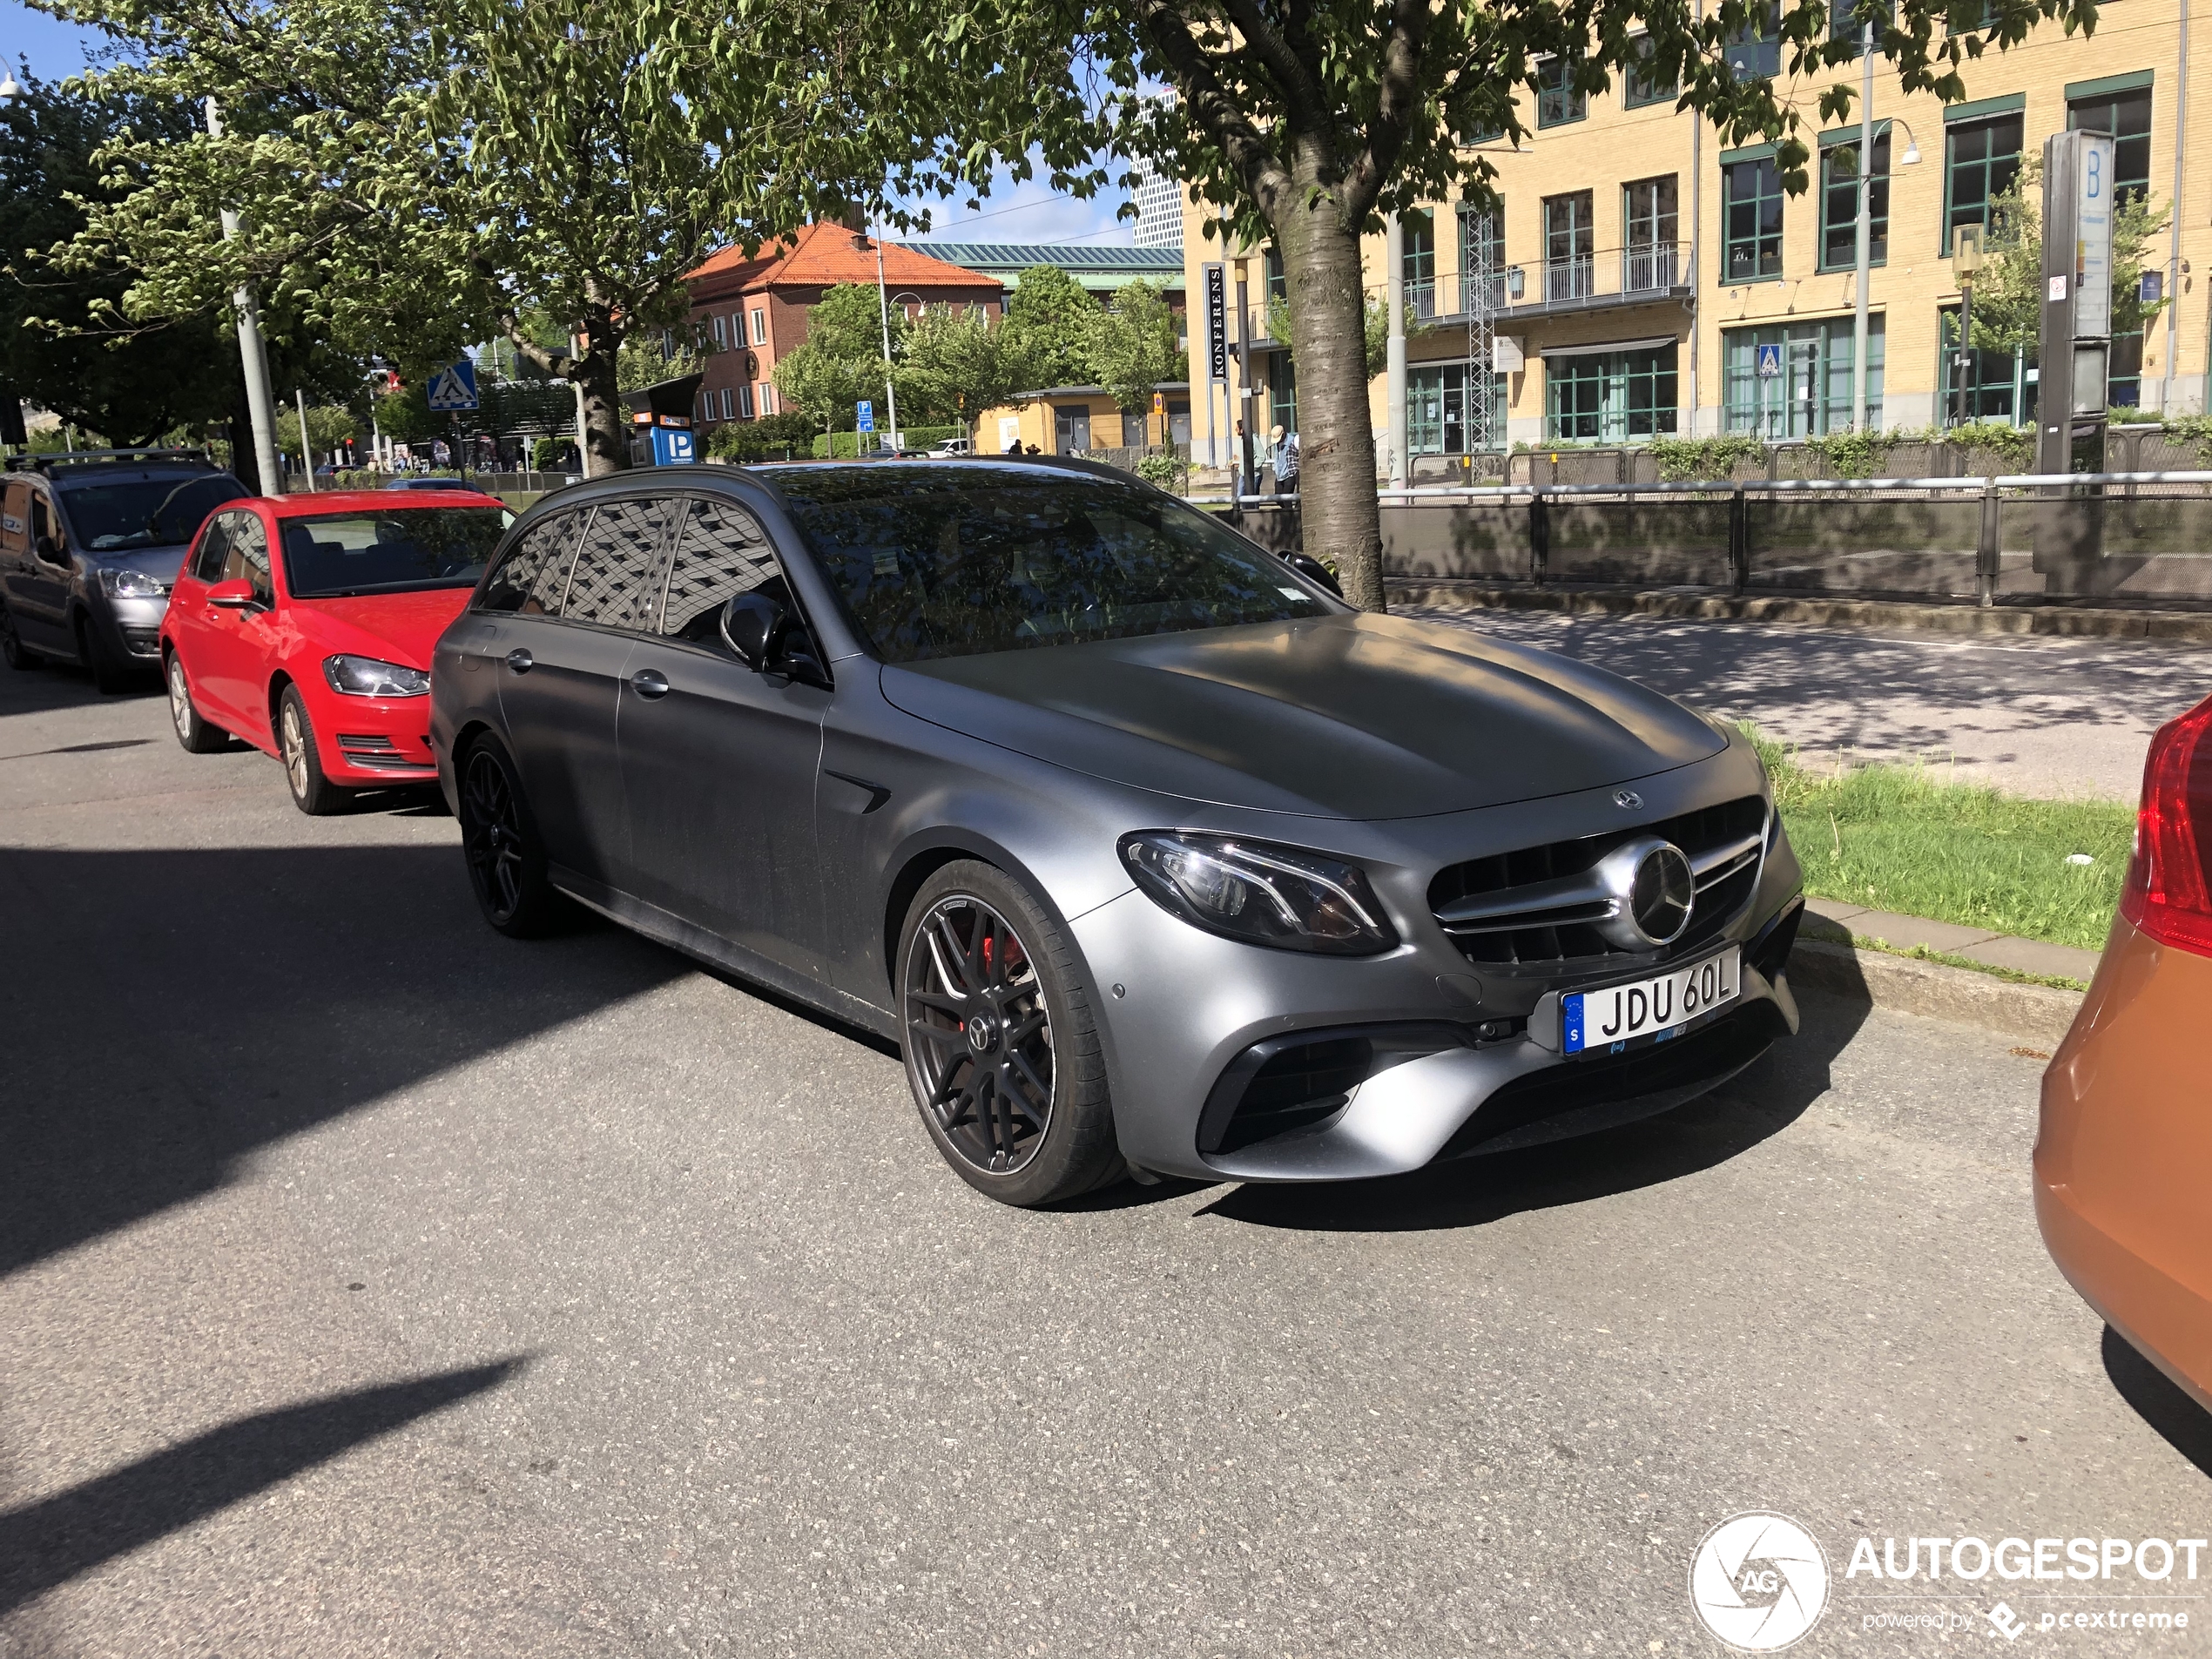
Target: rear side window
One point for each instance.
(14, 517)
(721, 552)
(529, 580)
(621, 553)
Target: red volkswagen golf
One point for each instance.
(305, 626)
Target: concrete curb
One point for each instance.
(2037, 1013)
(2051, 620)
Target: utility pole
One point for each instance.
(260, 404)
(883, 308)
(306, 446)
(1865, 224)
(1395, 279)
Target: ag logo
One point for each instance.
(1759, 1581)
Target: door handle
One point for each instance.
(650, 681)
(520, 660)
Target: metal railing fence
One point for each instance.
(2142, 537)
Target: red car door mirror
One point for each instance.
(234, 595)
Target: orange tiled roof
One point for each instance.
(823, 255)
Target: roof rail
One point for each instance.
(51, 459)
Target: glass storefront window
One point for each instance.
(1794, 380)
(1437, 415)
(1613, 397)
(1995, 386)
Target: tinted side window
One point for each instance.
(530, 578)
(620, 552)
(214, 543)
(720, 553)
(247, 555)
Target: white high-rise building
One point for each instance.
(1159, 208)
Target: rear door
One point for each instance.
(560, 664)
(40, 601)
(237, 648)
(719, 762)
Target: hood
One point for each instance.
(1343, 716)
(400, 628)
(160, 562)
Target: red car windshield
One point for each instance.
(396, 550)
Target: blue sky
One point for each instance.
(1026, 213)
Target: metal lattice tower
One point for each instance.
(1483, 417)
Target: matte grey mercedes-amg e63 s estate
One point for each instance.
(1152, 855)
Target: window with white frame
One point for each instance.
(721, 335)
(759, 325)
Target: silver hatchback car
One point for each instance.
(90, 544)
(1153, 856)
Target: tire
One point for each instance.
(506, 854)
(17, 655)
(195, 734)
(312, 792)
(111, 676)
(1021, 1111)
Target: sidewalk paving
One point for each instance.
(1839, 921)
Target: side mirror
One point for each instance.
(234, 595)
(50, 550)
(1311, 567)
(752, 626)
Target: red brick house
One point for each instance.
(754, 310)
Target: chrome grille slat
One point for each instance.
(1538, 905)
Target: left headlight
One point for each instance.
(120, 582)
(365, 677)
(1259, 892)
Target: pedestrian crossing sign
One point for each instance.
(454, 386)
(1770, 362)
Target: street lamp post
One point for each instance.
(1865, 262)
(883, 310)
(261, 403)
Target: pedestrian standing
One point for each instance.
(1285, 460)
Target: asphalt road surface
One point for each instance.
(370, 1284)
(2055, 718)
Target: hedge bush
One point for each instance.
(842, 445)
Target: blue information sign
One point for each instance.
(866, 421)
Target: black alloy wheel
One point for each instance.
(1002, 1049)
(982, 1057)
(499, 840)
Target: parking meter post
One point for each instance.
(1540, 536)
(1986, 554)
(1739, 539)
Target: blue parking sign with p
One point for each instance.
(865, 420)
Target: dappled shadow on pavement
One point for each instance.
(172, 1011)
(1761, 1100)
(50, 1542)
(2185, 1426)
(2069, 716)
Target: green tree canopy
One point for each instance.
(958, 364)
(1048, 317)
(2008, 290)
(1133, 349)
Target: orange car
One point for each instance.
(2123, 1163)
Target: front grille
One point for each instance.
(142, 641)
(1563, 933)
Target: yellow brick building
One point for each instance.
(1652, 281)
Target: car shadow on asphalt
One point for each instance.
(172, 1012)
(55, 1538)
(2159, 1400)
(1761, 1100)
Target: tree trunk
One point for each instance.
(1341, 513)
(606, 432)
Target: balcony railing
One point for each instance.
(1602, 277)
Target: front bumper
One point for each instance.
(130, 627)
(1185, 1012)
(367, 742)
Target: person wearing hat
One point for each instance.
(1286, 448)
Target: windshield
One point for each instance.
(392, 550)
(958, 561)
(144, 512)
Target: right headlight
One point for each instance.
(1260, 894)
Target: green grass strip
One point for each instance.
(1905, 838)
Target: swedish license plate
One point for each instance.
(1599, 1022)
